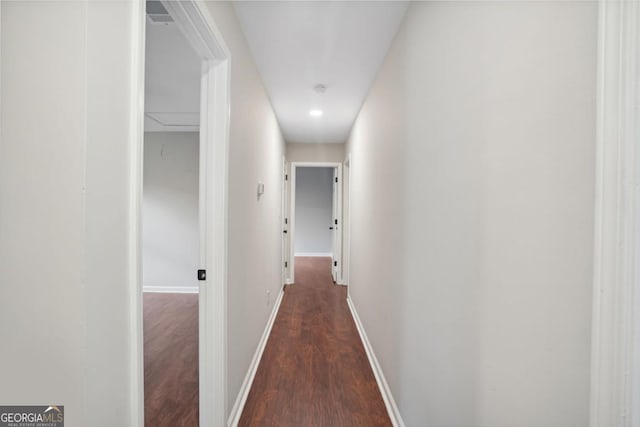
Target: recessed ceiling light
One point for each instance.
(316, 113)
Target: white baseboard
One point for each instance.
(172, 289)
(238, 406)
(389, 402)
(315, 254)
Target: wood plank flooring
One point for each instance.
(314, 370)
(170, 360)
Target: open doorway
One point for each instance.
(316, 215)
(170, 223)
(180, 168)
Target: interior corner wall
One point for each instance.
(299, 152)
(314, 211)
(482, 118)
(256, 148)
(64, 208)
(171, 243)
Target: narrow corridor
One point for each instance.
(314, 370)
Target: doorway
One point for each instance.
(315, 226)
(207, 127)
(170, 225)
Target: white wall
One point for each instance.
(170, 211)
(482, 118)
(256, 148)
(314, 211)
(298, 152)
(64, 206)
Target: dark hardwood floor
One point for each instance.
(170, 360)
(314, 370)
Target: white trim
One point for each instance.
(171, 289)
(212, 366)
(292, 212)
(389, 401)
(286, 237)
(136, 341)
(615, 370)
(283, 215)
(346, 222)
(316, 164)
(238, 406)
(213, 353)
(314, 254)
(285, 226)
(199, 28)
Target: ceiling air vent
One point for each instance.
(157, 13)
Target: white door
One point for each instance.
(334, 228)
(285, 222)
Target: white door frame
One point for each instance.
(284, 221)
(336, 244)
(615, 359)
(194, 20)
(346, 221)
(292, 215)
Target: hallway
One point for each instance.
(488, 229)
(314, 370)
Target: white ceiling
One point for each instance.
(172, 80)
(298, 44)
